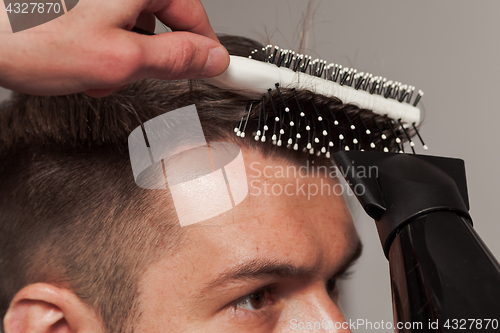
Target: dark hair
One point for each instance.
(70, 212)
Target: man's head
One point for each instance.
(269, 263)
(83, 247)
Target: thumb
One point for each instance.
(180, 55)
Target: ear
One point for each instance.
(44, 308)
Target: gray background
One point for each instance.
(447, 48)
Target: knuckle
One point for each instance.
(119, 65)
(182, 60)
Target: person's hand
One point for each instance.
(91, 48)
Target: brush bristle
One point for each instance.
(323, 131)
(336, 73)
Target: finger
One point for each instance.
(184, 15)
(180, 55)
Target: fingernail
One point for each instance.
(217, 62)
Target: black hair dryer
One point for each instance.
(443, 277)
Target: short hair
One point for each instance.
(70, 211)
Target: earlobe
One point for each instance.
(44, 308)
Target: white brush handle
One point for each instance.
(253, 78)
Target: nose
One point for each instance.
(313, 311)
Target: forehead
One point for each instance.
(300, 226)
(288, 213)
(287, 206)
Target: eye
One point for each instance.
(254, 301)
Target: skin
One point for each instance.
(287, 251)
(185, 293)
(90, 49)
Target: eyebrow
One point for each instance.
(262, 268)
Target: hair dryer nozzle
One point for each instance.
(401, 187)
